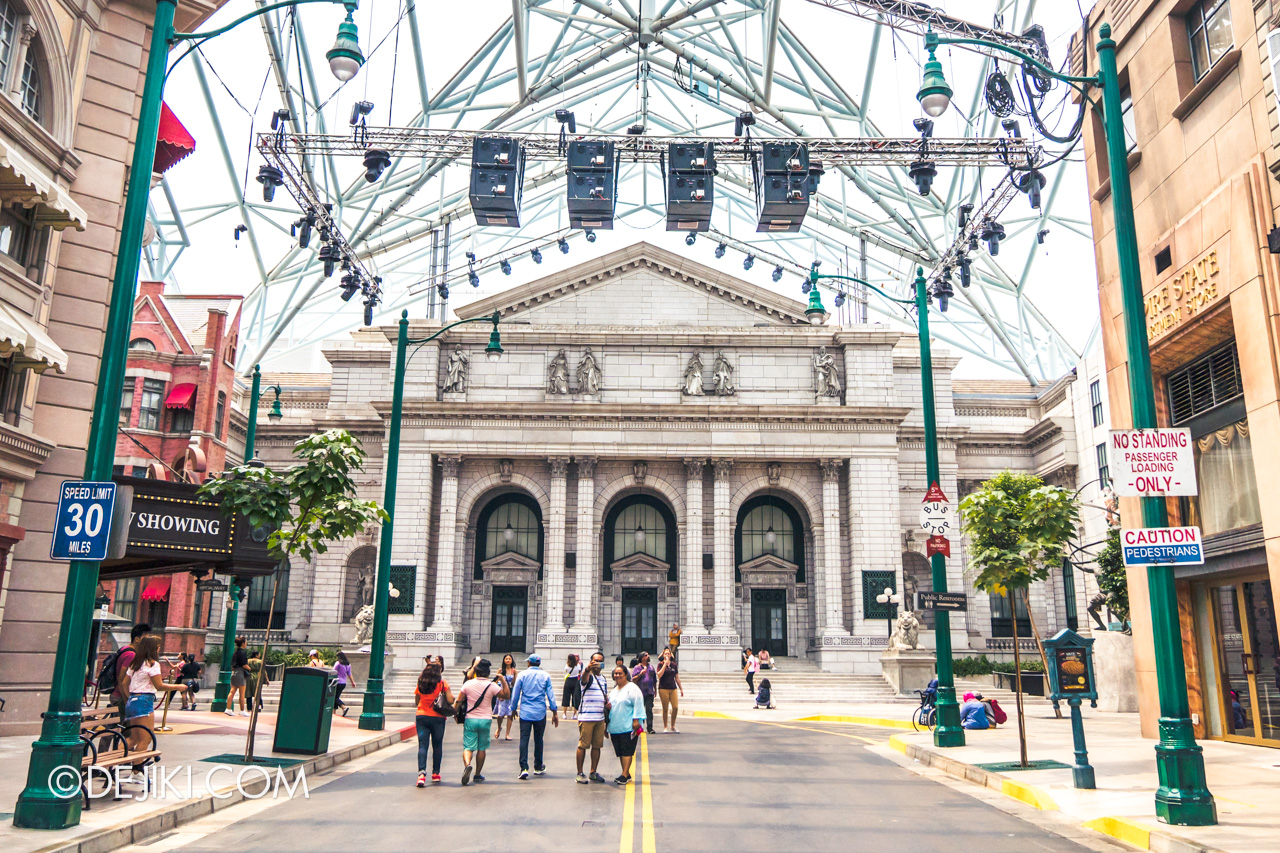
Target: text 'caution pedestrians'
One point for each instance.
(1162, 546)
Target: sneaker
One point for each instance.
(538, 771)
(422, 780)
(229, 712)
(675, 731)
(479, 778)
(435, 778)
(466, 776)
(245, 714)
(621, 780)
(582, 778)
(524, 774)
(596, 777)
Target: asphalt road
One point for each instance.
(720, 785)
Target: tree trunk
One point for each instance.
(1044, 659)
(1018, 680)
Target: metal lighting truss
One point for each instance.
(680, 69)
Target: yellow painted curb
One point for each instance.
(861, 721)
(1122, 829)
(715, 715)
(898, 743)
(1028, 794)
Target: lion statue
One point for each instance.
(906, 636)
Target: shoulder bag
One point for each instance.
(441, 705)
(461, 709)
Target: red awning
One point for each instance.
(173, 142)
(181, 397)
(157, 588)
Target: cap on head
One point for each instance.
(534, 659)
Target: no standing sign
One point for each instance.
(1152, 463)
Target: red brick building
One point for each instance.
(175, 421)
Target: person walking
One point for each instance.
(313, 659)
(669, 689)
(532, 696)
(429, 721)
(626, 720)
(190, 672)
(143, 684)
(751, 667)
(256, 677)
(571, 697)
(673, 639)
(505, 710)
(475, 703)
(593, 720)
(239, 678)
(343, 668)
(114, 676)
(645, 677)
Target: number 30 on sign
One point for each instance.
(83, 529)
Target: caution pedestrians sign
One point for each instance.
(1150, 546)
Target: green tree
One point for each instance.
(306, 507)
(1018, 528)
(1112, 579)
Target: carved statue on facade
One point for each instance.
(722, 376)
(906, 634)
(364, 625)
(558, 374)
(506, 469)
(588, 374)
(693, 377)
(640, 470)
(459, 363)
(824, 365)
(774, 470)
(364, 584)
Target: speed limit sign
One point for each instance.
(83, 528)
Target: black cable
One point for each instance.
(999, 94)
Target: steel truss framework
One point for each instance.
(657, 63)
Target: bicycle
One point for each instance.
(925, 717)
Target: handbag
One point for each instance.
(442, 706)
(461, 710)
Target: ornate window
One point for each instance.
(31, 88)
(769, 525)
(640, 524)
(1209, 30)
(510, 522)
(258, 604)
(8, 33)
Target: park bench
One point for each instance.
(106, 747)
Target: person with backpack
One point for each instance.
(474, 711)
(190, 672)
(995, 714)
(111, 679)
(435, 704)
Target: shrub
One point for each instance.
(1112, 579)
(969, 667)
(1028, 665)
(213, 654)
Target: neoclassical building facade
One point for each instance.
(660, 443)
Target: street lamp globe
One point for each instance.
(770, 536)
(493, 351)
(934, 95)
(345, 57)
(815, 312)
(508, 534)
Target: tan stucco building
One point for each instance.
(1201, 108)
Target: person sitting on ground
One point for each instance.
(764, 697)
(766, 660)
(989, 708)
(972, 713)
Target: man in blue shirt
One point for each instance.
(972, 714)
(533, 695)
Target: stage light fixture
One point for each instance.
(376, 161)
(943, 290)
(536, 254)
(966, 271)
(923, 172)
(839, 298)
(777, 273)
(748, 261)
(329, 256)
(1032, 183)
(350, 287)
(690, 238)
(443, 290)
(473, 277)
(497, 180)
(592, 183)
(270, 177)
(564, 246)
(690, 186)
(505, 266)
(590, 235)
(368, 310)
(783, 182)
(720, 249)
(992, 234)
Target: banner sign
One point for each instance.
(1162, 545)
(1152, 463)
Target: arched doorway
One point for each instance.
(640, 542)
(508, 557)
(362, 566)
(769, 557)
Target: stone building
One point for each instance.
(1200, 90)
(71, 93)
(660, 443)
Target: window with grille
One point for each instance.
(8, 28)
(1104, 470)
(1095, 400)
(1002, 619)
(403, 579)
(126, 400)
(1205, 384)
(220, 415)
(1209, 29)
(258, 602)
(126, 600)
(874, 583)
(31, 88)
(152, 400)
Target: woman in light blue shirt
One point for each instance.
(626, 720)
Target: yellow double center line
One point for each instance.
(648, 842)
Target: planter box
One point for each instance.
(1032, 682)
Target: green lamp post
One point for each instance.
(371, 712)
(1183, 797)
(40, 806)
(948, 731)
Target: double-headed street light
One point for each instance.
(1183, 796)
(890, 600)
(59, 745)
(371, 713)
(948, 732)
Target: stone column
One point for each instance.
(446, 553)
(553, 562)
(584, 614)
(691, 577)
(723, 547)
(832, 604)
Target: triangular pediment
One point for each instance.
(768, 563)
(642, 284)
(639, 562)
(510, 560)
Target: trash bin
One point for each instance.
(306, 710)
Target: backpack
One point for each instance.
(110, 669)
(1000, 715)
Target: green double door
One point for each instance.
(510, 619)
(769, 621)
(639, 620)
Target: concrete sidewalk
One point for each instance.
(196, 735)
